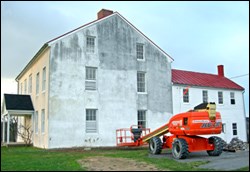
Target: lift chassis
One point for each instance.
(182, 133)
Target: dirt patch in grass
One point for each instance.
(99, 163)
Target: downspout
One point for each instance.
(244, 113)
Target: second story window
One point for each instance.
(90, 82)
(37, 83)
(204, 96)
(220, 97)
(232, 98)
(90, 48)
(141, 82)
(186, 95)
(30, 84)
(139, 51)
(44, 79)
(21, 88)
(25, 86)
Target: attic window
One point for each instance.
(90, 44)
(139, 51)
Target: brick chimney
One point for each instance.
(103, 13)
(220, 70)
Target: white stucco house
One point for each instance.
(97, 78)
(204, 87)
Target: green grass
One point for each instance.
(34, 159)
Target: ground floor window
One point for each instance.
(91, 120)
(234, 125)
(141, 116)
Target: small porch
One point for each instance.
(17, 109)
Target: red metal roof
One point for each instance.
(203, 80)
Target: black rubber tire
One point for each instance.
(180, 148)
(155, 145)
(218, 146)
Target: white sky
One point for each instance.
(198, 35)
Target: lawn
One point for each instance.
(34, 159)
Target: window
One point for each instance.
(21, 88)
(90, 82)
(220, 97)
(36, 122)
(234, 129)
(204, 96)
(43, 120)
(139, 51)
(25, 86)
(30, 84)
(44, 79)
(90, 44)
(232, 98)
(186, 95)
(141, 82)
(224, 127)
(91, 122)
(141, 115)
(37, 83)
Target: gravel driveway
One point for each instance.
(226, 161)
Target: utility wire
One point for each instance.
(239, 76)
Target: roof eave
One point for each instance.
(42, 49)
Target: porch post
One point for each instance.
(8, 129)
(3, 129)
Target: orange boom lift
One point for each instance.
(183, 130)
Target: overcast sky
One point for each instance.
(197, 35)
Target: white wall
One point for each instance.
(229, 113)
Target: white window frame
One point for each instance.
(90, 78)
(143, 114)
(204, 96)
(30, 84)
(91, 119)
(44, 79)
(234, 128)
(36, 122)
(220, 98)
(139, 52)
(37, 82)
(90, 44)
(139, 88)
(186, 96)
(25, 86)
(232, 98)
(43, 121)
(21, 88)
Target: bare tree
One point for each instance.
(25, 132)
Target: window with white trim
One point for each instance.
(91, 121)
(36, 122)
(185, 93)
(234, 126)
(90, 48)
(21, 88)
(43, 121)
(141, 82)
(25, 86)
(44, 79)
(224, 127)
(220, 97)
(37, 83)
(141, 117)
(90, 81)
(139, 51)
(204, 96)
(30, 84)
(232, 98)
